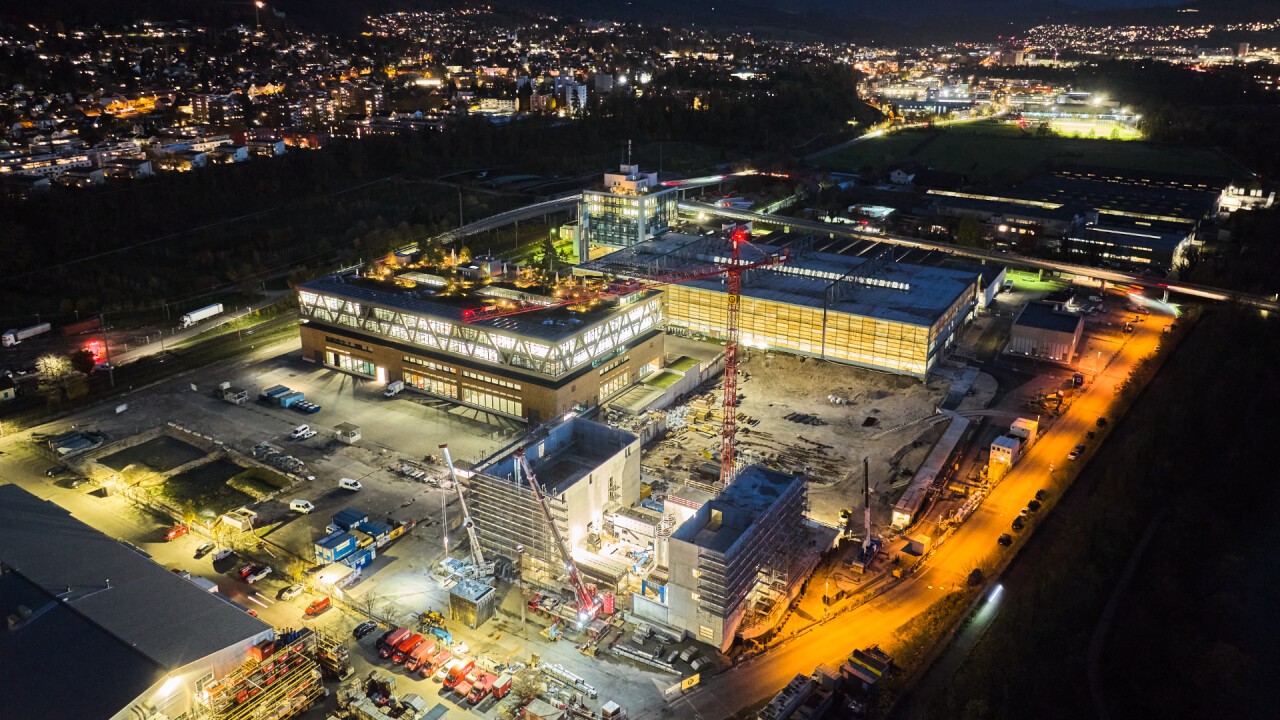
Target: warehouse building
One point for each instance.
(96, 629)
(1044, 332)
(534, 366)
(1132, 246)
(869, 311)
(587, 469)
(729, 554)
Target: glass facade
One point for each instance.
(435, 386)
(349, 364)
(872, 342)
(622, 220)
(493, 400)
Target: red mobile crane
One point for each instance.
(738, 236)
(588, 602)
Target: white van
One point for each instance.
(301, 506)
(349, 484)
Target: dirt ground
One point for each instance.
(788, 420)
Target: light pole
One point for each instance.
(257, 9)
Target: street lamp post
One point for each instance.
(257, 9)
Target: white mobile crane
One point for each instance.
(478, 566)
(589, 603)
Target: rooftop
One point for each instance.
(727, 516)
(166, 619)
(551, 324)
(876, 286)
(562, 454)
(1044, 316)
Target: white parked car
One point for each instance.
(258, 574)
(349, 484)
(301, 506)
(302, 432)
(291, 592)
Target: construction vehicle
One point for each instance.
(552, 632)
(589, 603)
(641, 277)
(478, 567)
(431, 619)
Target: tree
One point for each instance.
(82, 360)
(969, 233)
(53, 367)
(528, 685)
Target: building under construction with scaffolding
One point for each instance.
(587, 470)
(869, 310)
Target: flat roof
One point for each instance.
(552, 324)
(1044, 316)
(169, 620)
(38, 676)
(752, 493)
(894, 291)
(562, 454)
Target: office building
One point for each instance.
(533, 366)
(628, 208)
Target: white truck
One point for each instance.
(205, 583)
(195, 316)
(393, 388)
(13, 337)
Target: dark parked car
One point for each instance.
(1033, 506)
(1042, 494)
(1019, 523)
(56, 470)
(1102, 422)
(1005, 539)
(203, 550)
(364, 628)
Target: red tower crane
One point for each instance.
(588, 602)
(640, 279)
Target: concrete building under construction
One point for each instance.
(587, 470)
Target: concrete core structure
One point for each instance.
(735, 550)
(587, 469)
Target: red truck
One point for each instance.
(463, 688)
(481, 688)
(436, 662)
(419, 656)
(405, 647)
(502, 686)
(458, 672)
(392, 639)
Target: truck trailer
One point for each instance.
(13, 337)
(195, 316)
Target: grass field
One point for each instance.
(995, 151)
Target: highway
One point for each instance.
(972, 545)
(1206, 292)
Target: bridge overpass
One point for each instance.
(1206, 292)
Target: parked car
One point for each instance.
(301, 506)
(259, 572)
(301, 431)
(364, 628)
(246, 570)
(222, 554)
(1042, 494)
(1019, 523)
(291, 592)
(76, 482)
(1076, 452)
(204, 549)
(1102, 422)
(318, 606)
(1033, 506)
(175, 532)
(1005, 539)
(56, 470)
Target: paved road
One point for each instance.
(969, 547)
(173, 336)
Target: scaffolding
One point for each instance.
(281, 680)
